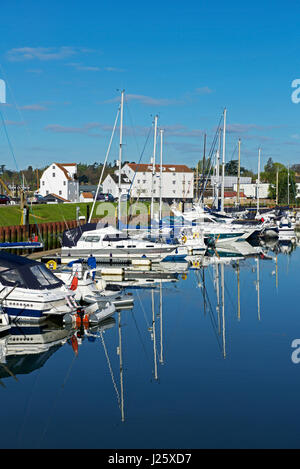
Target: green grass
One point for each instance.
(11, 215)
(44, 213)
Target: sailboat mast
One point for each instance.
(257, 286)
(258, 182)
(153, 168)
(160, 176)
(161, 323)
(121, 367)
(277, 186)
(288, 184)
(154, 335)
(203, 167)
(223, 160)
(120, 155)
(223, 311)
(239, 174)
(239, 293)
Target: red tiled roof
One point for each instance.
(59, 197)
(87, 195)
(233, 194)
(171, 168)
(60, 166)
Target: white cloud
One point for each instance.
(41, 53)
(148, 100)
(203, 90)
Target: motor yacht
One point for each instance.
(31, 292)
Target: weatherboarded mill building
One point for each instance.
(176, 182)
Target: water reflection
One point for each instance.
(220, 286)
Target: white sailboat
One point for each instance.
(110, 243)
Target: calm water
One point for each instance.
(202, 377)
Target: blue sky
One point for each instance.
(65, 63)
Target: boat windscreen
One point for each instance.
(36, 277)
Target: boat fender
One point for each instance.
(196, 235)
(184, 239)
(51, 265)
(289, 224)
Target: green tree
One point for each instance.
(286, 193)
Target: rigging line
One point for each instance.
(228, 293)
(143, 309)
(13, 97)
(209, 302)
(146, 319)
(110, 369)
(139, 161)
(9, 143)
(104, 163)
(140, 336)
(15, 103)
(27, 409)
(234, 150)
(132, 125)
(54, 403)
(213, 321)
(210, 156)
(15, 160)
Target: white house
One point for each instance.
(60, 179)
(177, 181)
(111, 184)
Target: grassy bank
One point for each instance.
(11, 215)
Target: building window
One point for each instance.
(43, 183)
(53, 167)
(53, 175)
(65, 183)
(60, 192)
(174, 192)
(174, 182)
(144, 181)
(138, 181)
(47, 192)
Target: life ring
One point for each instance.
(196, 264)
(51, 265)
(196, 235)
(184, 276)
(184, 239)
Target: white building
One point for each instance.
(111, 184)
(86, 197)
(60, 179)
(250, 190)
(230, 181)
(177, 181)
